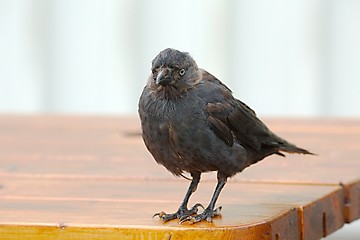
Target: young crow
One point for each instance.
(192, 123)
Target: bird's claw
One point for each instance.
(206, 215)
(189, 219)
(160, 214)
(181, 214)
(195, 208)
(164, 216)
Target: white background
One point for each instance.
(283, 58)
(297, 58)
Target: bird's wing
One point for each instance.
(232, 119)
(221, 129)
(237, 120)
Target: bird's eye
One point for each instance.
(182, 71)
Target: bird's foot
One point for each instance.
(207, 215)
(181, 214)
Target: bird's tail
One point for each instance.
(291, 148)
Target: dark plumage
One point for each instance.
(192, 123)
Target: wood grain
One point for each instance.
(91, 177)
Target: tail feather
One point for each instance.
(290, 148)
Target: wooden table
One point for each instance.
(81, 177)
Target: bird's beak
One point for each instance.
(164, 77)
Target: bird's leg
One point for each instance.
(209, 212)
(183, 212)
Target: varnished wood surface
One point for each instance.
(82, 177)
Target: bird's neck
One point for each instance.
(176, 91)
(170, 92)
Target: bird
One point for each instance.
(191, 123)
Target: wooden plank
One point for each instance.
(104, 143)
(105, 151)
(248, 209)
(323, 216)
(85, 232)
(352, 201)
(159, 191)
(63, 175)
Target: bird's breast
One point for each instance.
(178, 135)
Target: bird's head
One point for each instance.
(173, 70)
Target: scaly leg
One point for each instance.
(183, 212)
(209, 212)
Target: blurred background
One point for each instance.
(284, 58)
